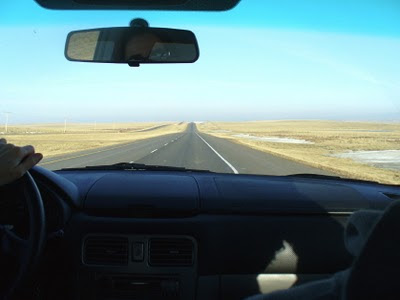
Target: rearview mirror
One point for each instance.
(132, 45)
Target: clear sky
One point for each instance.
(265, 59)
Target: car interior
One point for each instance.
(135, 231)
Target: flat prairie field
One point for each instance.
(358, 150)
(53, 139)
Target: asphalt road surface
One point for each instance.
(189, 149)
(151, 128)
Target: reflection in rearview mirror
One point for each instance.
(132, 45)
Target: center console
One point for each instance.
(138, 267)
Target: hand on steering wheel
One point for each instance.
(15, 161)
(19, 255)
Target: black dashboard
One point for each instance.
(188, 235)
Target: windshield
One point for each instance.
(280, 88)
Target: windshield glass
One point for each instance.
(280, 88)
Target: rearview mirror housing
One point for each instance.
(174, 5)
(132, 45)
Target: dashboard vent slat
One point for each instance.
(104, 250)
(171, 252)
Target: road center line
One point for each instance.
(154, 151)
(219, 155)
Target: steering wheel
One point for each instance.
(19, 255)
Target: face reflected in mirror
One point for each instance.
(140, 46)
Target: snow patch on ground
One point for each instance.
(389, 159)
(221, 131)
(273, 139)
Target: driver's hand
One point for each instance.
(15, 161)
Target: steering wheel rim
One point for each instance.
(25, 252)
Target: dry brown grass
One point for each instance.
(329, 138)
(50, 140)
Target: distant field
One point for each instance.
(51, 140)
(318, 143)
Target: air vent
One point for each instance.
(106, 250)
(171, 252)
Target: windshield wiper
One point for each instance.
(319, 176)
(135, 167)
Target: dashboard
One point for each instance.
(188, 235)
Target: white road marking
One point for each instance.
(131, 162)
(166, 144)
(154, 151)
(219, 155)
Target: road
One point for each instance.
(152, 128)
(189, 149)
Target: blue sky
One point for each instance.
(264, 59)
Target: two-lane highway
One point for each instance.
(189, 149)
